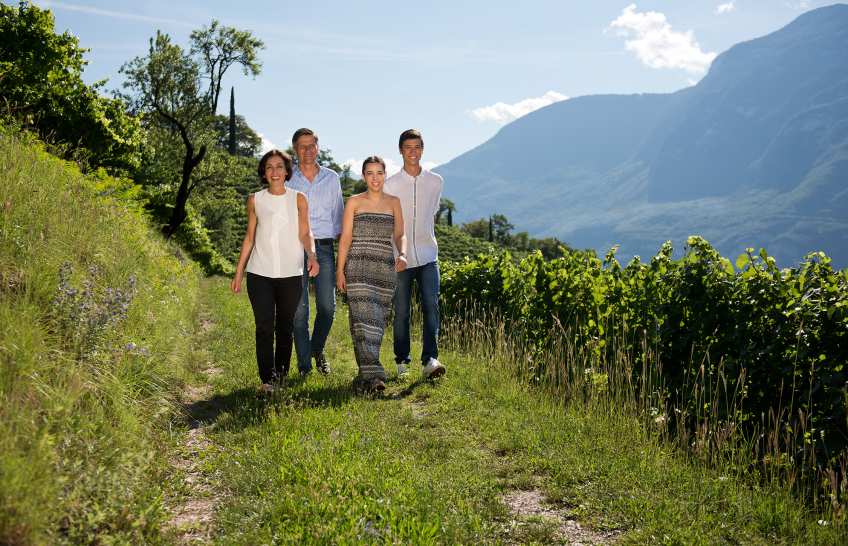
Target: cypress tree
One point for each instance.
(450, 218)
(232, 121)
(490, 230)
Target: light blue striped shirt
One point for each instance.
(324, 195)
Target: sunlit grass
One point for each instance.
(82, 407)
(427, 462)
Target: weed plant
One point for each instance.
(92, 349)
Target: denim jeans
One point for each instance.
(274, 303)
(325, 302)
(427, 276)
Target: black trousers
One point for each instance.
(274, 303)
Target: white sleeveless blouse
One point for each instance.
(277, 250)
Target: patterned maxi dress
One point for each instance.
(370, 273)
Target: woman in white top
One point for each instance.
(272, 255)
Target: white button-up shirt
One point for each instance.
(419, 197)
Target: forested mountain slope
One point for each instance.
(754, 155)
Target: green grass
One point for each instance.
(84, 417)
(427, 462)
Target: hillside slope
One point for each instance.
(755, 155)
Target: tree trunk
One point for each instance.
(232, 121)
(179, 214)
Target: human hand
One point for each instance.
(400, 263)
(341, 282)
(312, 265)
(235, 286)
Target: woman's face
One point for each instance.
(275, 171)
(374, 175)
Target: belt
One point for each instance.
(328, 241)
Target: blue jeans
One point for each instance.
(427, 276)
(325, 302)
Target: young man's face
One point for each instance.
(411, 151)
(306, 149)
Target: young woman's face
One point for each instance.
(275, 170)
(374, 175)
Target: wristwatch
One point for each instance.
(310, 252)
(401, 254)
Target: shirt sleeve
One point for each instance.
(338, 208)
(438, 192)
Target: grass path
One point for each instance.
(471, 458)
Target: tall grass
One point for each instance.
(85, 375)
(782, 493)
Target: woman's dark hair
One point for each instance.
(373, 159)
(287, 160)
(410, 134)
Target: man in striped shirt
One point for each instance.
(419, 191)
(323, 192)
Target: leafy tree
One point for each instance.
(477, 228)
(248, 143)
(519, 244)
(446, 207)
(167, 90)
(41, 80)
(222, 47)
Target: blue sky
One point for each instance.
(359, 73)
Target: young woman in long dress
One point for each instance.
(366, 268)
(272, 256)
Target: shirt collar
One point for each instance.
(321, 172)
(408, 177)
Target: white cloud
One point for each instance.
(724, 8)
(657, 45)
(266, 145)
(505, 113)
(691, 81)
(391, 166)
(356, 166)
(48, 4)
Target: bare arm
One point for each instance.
(400, 236)
(345, 239)
(305, 234)
(246, 247)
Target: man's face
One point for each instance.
(411, 151)
(306, 149)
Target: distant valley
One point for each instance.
(754, 155)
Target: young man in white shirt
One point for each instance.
(419, 191)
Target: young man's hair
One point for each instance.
(373, 159)
(410, 134)
(287, 161)
(303, 132)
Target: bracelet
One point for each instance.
(310, 252)
(401, 254)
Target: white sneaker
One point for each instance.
(403, 369)
(432, 369)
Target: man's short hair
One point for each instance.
(287, 161)
(303, 132)
(410, 134)
(373, 159)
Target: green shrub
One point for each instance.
(737, 344)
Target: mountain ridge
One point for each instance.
(754, 155)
